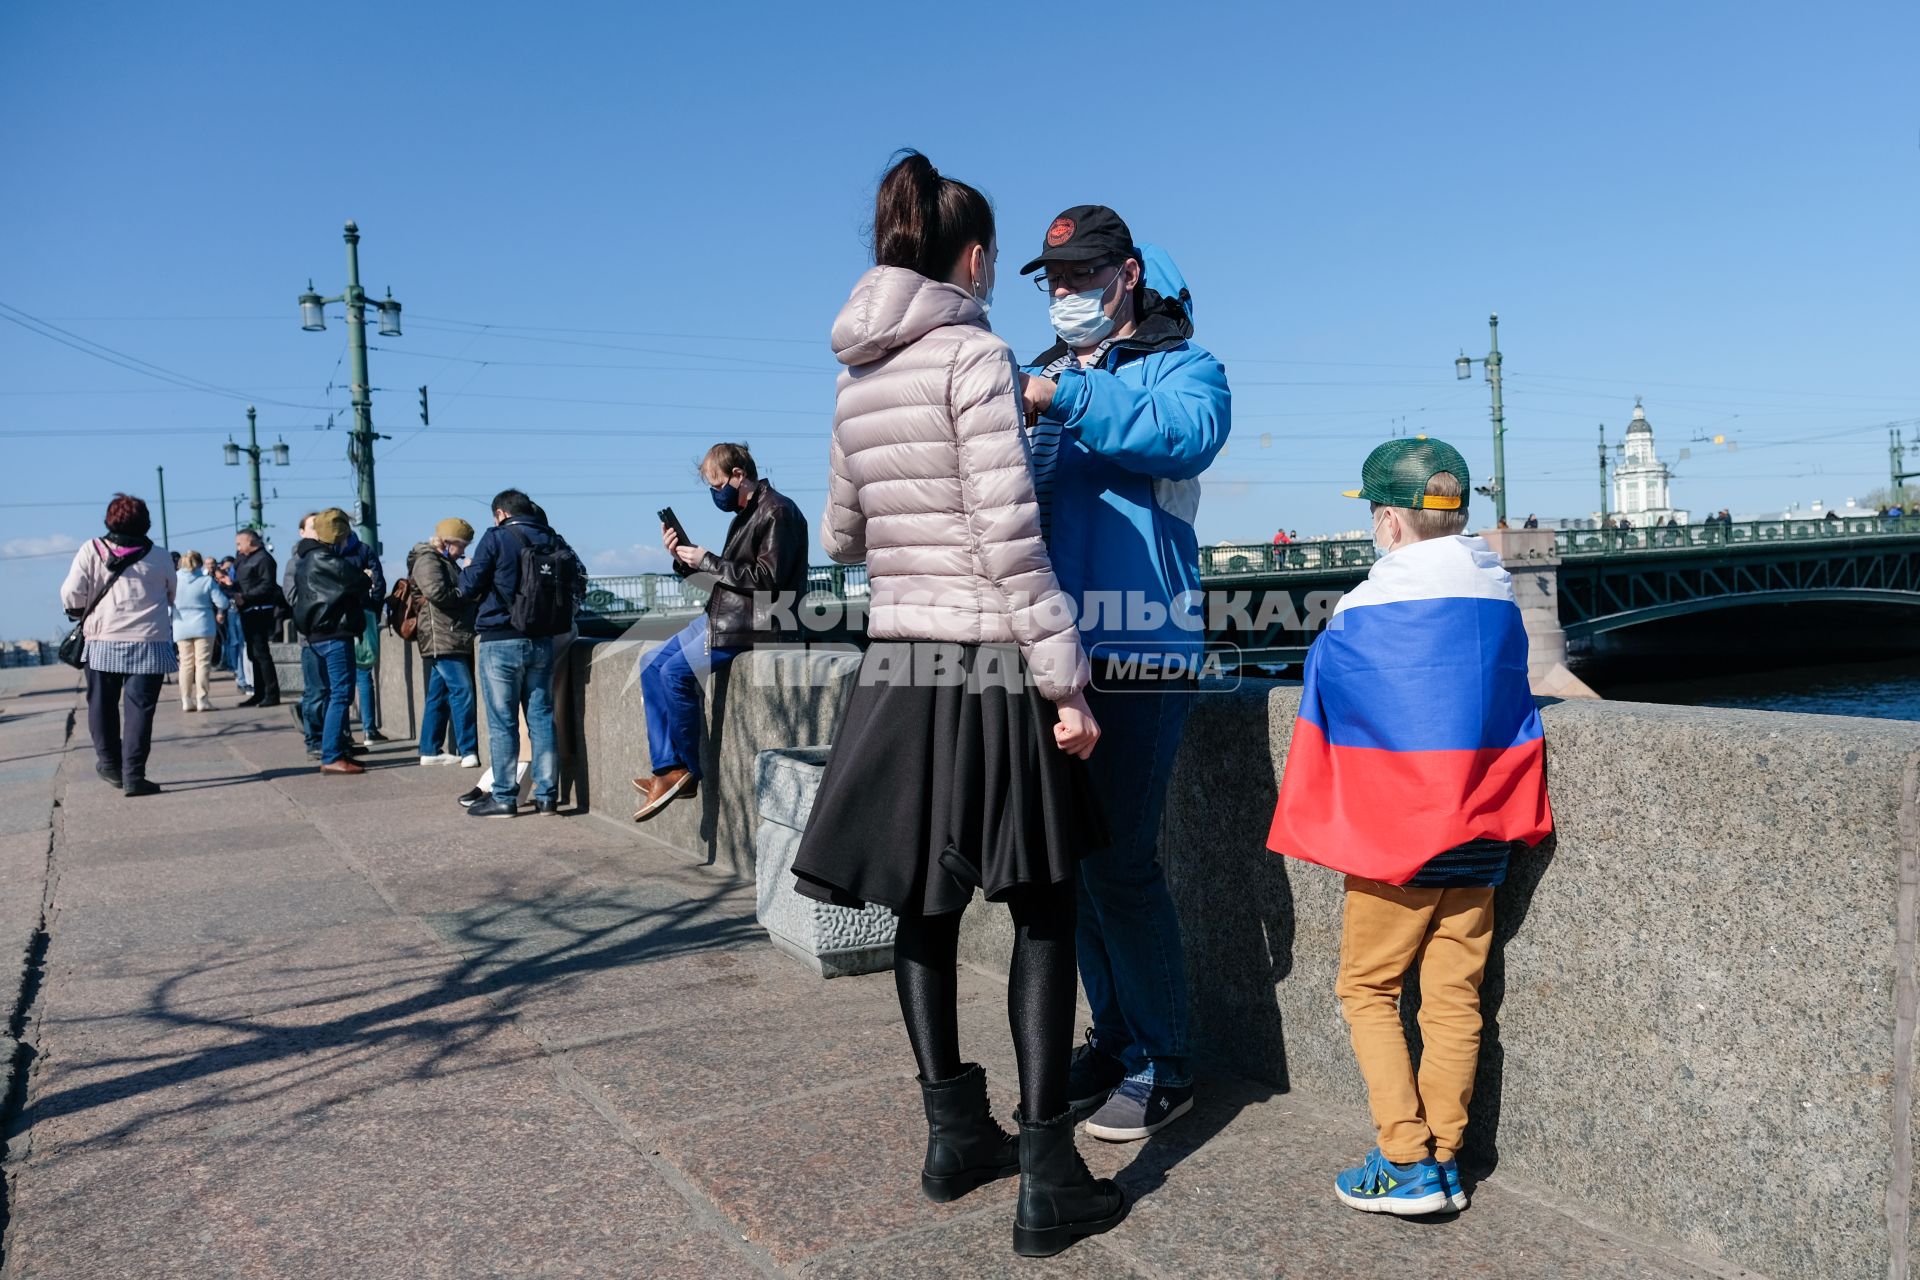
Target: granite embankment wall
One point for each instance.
(1700, 1011)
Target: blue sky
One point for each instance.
(621, 232)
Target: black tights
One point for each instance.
(1039, 994)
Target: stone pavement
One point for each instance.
(302, 1026)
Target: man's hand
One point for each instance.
(1036, 394)
(686, 553)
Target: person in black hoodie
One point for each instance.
(330, 600)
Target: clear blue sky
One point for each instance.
(621, 232)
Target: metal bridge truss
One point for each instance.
(1607, 594)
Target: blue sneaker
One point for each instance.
(1456, 1190)
(1405, 1190)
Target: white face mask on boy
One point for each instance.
(1382, 542)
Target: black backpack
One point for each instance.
(550, 587)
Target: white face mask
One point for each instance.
(1081, 319)
(983, 297)
(1379, 543)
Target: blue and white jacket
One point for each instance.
(1117, 458)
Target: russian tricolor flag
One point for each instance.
(1417, 729)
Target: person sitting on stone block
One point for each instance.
(755, 580)
(1417, 762)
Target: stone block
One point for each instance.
(832, 941)
(767, 698)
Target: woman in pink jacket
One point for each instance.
(959, 762)
(130, 584)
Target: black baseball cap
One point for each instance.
(1084, 233)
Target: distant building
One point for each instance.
(1641, 483)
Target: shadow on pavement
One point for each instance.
(508, 952)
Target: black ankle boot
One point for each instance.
(1060, 1202)
(966, 1147)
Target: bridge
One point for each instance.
(1267, 601)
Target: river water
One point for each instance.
(1890, 689)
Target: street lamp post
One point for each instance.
(1463, 369)
(281, 456)
(164, 539)
(1604, 515)
(1900, 475)
(313, 318)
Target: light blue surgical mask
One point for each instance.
(1081, 319)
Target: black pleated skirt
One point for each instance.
(944, 778)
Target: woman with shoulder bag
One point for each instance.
(959, 762)
(124, 587)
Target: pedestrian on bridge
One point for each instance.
(958, 762)
(125, 593)
(1125, 412)
(755, 583)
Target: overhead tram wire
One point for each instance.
(133, 364)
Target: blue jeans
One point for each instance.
(369, 705)
(1131, 962)
(516, 674)
(449, 699)
(335, 661)
(671, 680)
(313, 695)
(236, 648)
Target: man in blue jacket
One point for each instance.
(1124, 413)
(516, 665)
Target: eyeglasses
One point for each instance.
(1077, 278)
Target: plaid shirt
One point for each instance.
(132, 657)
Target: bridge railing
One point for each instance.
(625, 598)
(652, 594)
(1576, 544)
(1231, 559)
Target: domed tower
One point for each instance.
(1641, 483)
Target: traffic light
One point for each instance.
(423, 406)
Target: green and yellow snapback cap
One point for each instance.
(1396, 474)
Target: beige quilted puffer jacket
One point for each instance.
(929, 481)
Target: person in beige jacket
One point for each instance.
(959, 764)
(129, 586)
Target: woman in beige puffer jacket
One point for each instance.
(959, 762)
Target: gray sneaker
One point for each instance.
(1139, 1109)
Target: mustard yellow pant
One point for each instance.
(1447, 933)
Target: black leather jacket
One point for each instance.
(759, 576)
(253, 580)
(330, 593)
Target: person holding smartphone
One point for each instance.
(755, 580)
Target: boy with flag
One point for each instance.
(1417, 762)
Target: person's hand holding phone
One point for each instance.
(685, 552)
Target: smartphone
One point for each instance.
(671, 521)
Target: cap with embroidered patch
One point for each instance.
(1084, 233)
(1396, 474)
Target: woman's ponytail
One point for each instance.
(922, 221)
